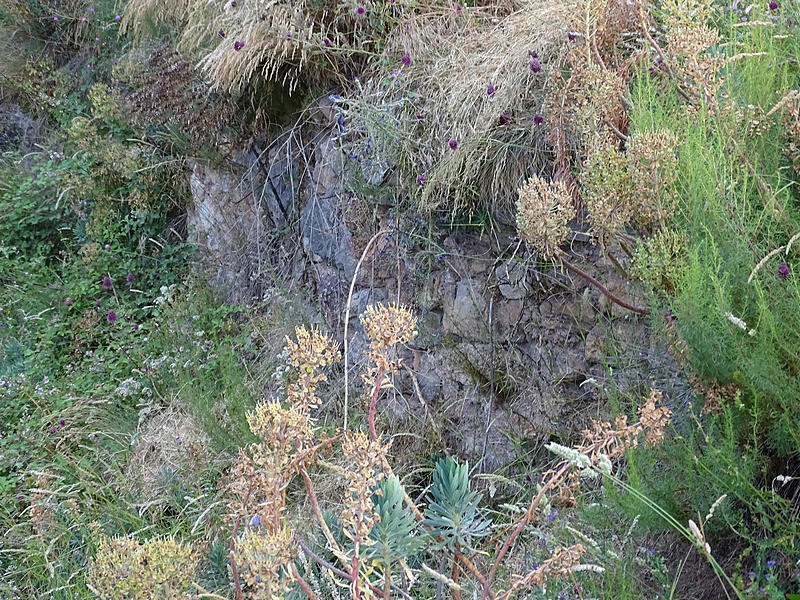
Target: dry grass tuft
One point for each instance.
(170, 443)
(457, 117)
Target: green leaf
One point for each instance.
(395, 535)
(452, 512)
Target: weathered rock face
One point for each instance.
(228, 224)
(323, 231)
(506, 352)
(18, 131)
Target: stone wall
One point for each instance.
(510, 350)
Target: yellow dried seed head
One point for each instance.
(312, 350)
(544, 210)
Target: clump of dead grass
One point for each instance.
(170, 443)
(456, 117)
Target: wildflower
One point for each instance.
(221, 33)
(255, 521)
(68, 301)
(55, 18)
(83, 19)
(453, 144)
(751, 575)
(572, 35)
(783, 271)
(552, 515)
(326, 41)
(421, 179)
(538, 119)
(535, 65)
(406, 60)
(490, 90)
(97, 303)
(91, 10)
(62, 422)
(111, 317)
(117, 17)
(238, 45)
(505, 118)
(106, 282)
(360, 10)
(771, 563)
(130, 278)
(773, 5)
(233, 3)
(52, 430)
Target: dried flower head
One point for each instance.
(389, 325)
(653, 419)
(652, 165)
(364, 477)
(262, 559)
(544, 210)
(312, 350)
(607, 190)
(158, 568)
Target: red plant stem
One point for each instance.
(237, 583)
(603, 289)
(474, 570)
(312, 496)
(303, 583)
(523, 522)
(378, 379)
(454, 577)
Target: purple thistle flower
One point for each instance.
(535, 65)
(106, 282)
(453, 144)
(773, 5)
(406, 60)
(490, 90)
(111, 317)
(233, 3)
(360, 10)
(55, 18)
(421, 179)
(326, 41)
(97, 303)
(572, 35)
(534, 54)
(538, 119)
(68, 301)
(238, 45)
(62, 422)
(130, 278)
(117, 17)
(505, 118)
(221, 33)
(783, 271)
(52, 430)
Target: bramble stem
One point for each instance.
(303, 583)
(603, 289)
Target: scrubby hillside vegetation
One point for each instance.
(399, 299)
